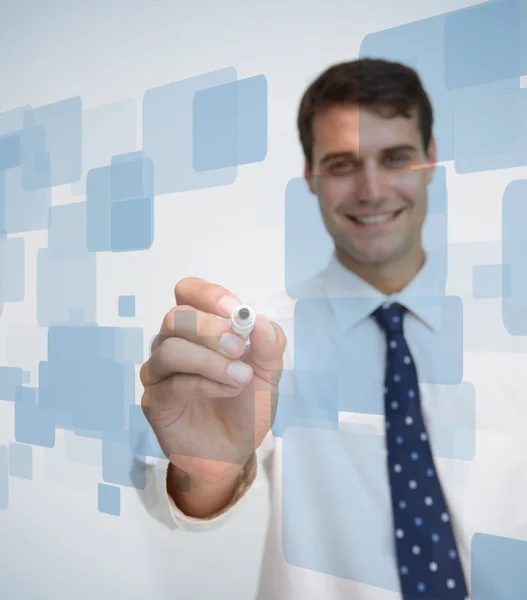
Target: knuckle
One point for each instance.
(143, 373)
(154, 344)
(180, 307)
(168, 319)
(185, 320)
(180, 286)
(165, 352)
(146, 406)
(184, 285)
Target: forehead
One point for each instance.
(352, 129)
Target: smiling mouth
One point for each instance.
(375, 220)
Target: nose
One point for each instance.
(371, 184)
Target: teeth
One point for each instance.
(375, 219)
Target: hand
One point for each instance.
(207, 418)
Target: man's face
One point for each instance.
(372, 194)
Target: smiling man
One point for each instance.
(361, 150)
(363, 460)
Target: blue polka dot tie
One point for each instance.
(427, 557)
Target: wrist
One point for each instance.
(205, 499)
(184, 482)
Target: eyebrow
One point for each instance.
(333, 155)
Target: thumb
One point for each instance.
(268, 342)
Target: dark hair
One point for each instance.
(386, 87)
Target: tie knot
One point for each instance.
(390, 317)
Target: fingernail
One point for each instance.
(231, 344)
(227, 304)
(239, 371)
(271, 332)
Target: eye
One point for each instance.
(397, 159)
(340, 166)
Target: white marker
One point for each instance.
(243, 319)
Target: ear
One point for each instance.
(432, 159)
(308, 177)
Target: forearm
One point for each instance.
(198, 499)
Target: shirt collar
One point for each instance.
(422, 295)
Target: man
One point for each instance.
(371, 508)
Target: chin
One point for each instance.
(372, 257)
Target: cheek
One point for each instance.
(333, 192)
(412, 186)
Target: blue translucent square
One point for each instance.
(230, 124)
(435, 228)
(308, 245)
(132, 225)
(438, 193)
(307, 399)
(2, 244)
(498, 559)
(421, 44)
(67, 232)
(10, 380)
(34, 426)
(36, 170)
(482, 44)
(523, 27)
(168, 134)
(14, 270)
(103, 408)
(514, 251)
(127, 306)
(487, 125)
(21, 461)
(65, 287)
(26, 394)
(487, 281)
(98, 209)
(43, 163)
(9, 151)
(84, 381)
(3, 229)
(107, 130)
(60, 155)
(128, 345)
(454, 431)
(120, 465)
(479, 107)
(132, 178)
(109, 499)
(13, 120)
(308, 501)
(143, 441)
(4, 478)
(22, 210)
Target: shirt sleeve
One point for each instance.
(163, 507)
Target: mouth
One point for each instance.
(377, 221)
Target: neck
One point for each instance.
(388, 278)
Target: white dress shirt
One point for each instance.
(324, 461)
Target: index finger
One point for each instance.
(205, 296)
